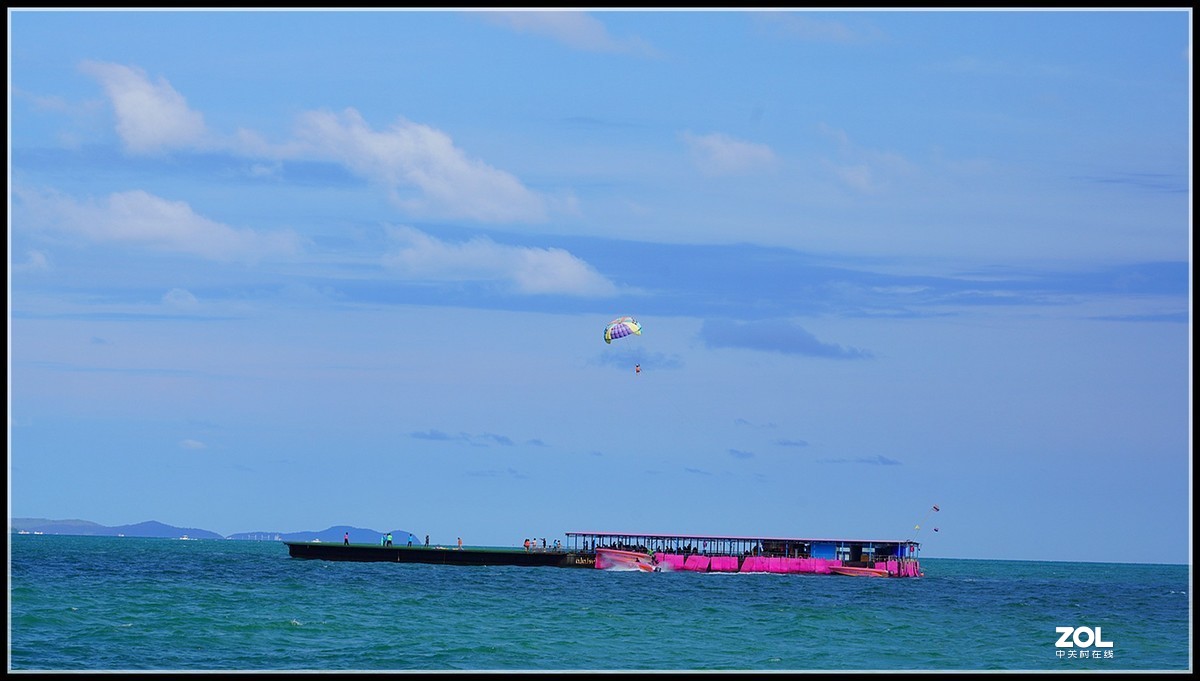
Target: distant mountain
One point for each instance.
(152, 528)
(87, 528)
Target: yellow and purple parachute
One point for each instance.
(621, 327)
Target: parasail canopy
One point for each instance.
(621, 327)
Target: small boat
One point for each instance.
(616, 559)
(857, 571)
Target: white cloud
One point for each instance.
(527, 270)
(191, 444)
(799, 26)
(866, 171)
(140, 219)
(266, 170)
(35, 261)
(419, 166)
(178, 297)
(413, 155)
(572, 28)
(151, 117)
(857, 177)
(719, 154)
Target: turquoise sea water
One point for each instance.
(99, 603)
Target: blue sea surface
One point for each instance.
(133, 604)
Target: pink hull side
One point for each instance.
(629, 560)
(858, 571)
(607, 559)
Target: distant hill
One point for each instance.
(152, 528)
(358, 535)
(87, 528)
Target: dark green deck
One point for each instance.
(439, 555)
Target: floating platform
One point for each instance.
(655, 552)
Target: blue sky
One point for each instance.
(285, 270)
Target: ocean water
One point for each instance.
(132, 604)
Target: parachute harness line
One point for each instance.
(917, 529)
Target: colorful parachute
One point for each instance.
(621, 327)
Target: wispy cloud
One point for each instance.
(420, 256)
(809, 29)
(139, 219)
(575, 29)
(864, 170)
(477, 440)
(719, 154)
(626, 357)
(1157, 182)
(433, 434)
(878, 460)
(192, 444)
(741, 454)
(493, 473)
(178, 297)
(497, 439)
(751, 424)
(775, 335)
(35, 261)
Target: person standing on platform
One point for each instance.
(346, 539)
(460, 543)
(427, 540)
(388, 541)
